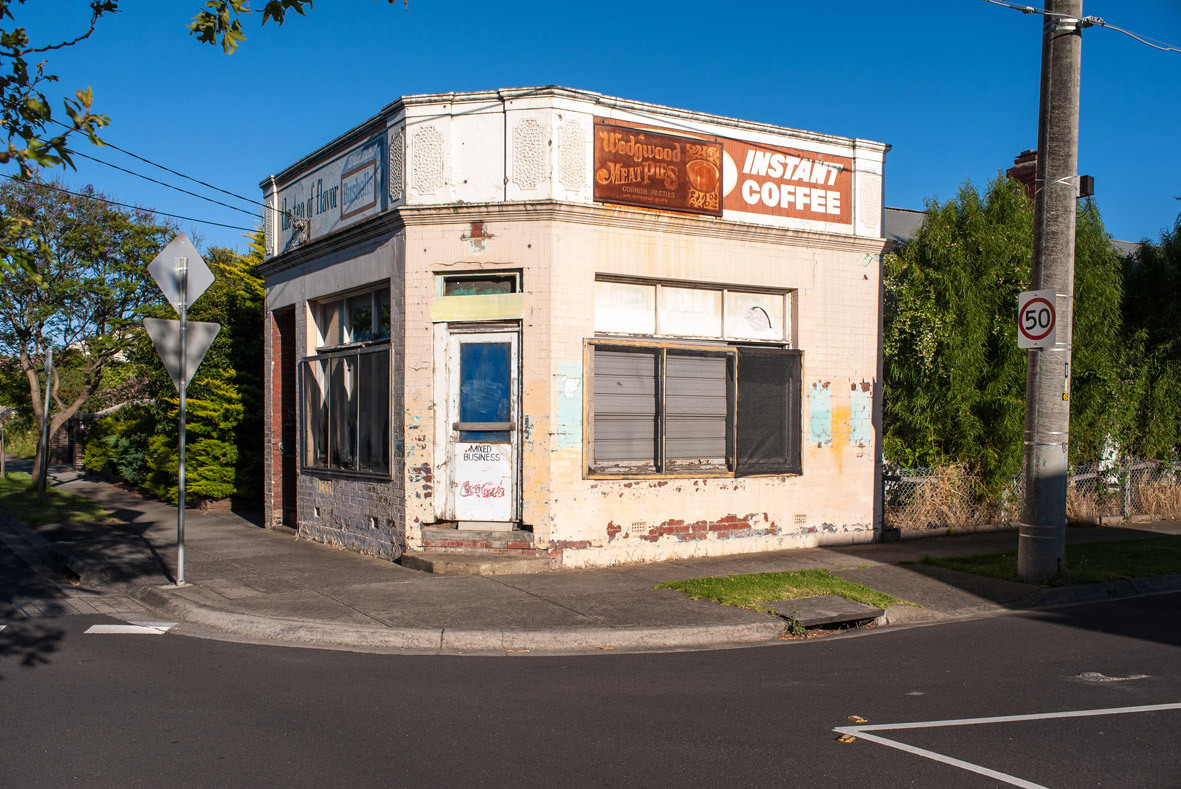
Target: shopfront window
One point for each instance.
(346, 386)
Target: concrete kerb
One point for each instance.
(437, 639)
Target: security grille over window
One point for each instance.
(662, 409)
(346, 386)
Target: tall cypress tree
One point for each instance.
(954, 388)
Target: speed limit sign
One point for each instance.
(1036, 319)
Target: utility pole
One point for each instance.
(1042, 545)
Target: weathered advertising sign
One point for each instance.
(763, 179)
(646, 168)
(345, 190)
(484, 482)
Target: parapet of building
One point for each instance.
(556, 323)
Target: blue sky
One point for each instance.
(951, 85)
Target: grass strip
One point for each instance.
(1087, 563)
(18, 497)
(754, 589)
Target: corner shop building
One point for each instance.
(553, 323)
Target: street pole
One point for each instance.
(183, 266)
(45, 427)
(1042, 543)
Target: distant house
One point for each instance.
(901, 224)
(562, 325)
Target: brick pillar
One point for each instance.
(279, 428)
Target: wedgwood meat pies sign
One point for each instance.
(645, 168)
(339, 193)
(761, 179)
(483, 476)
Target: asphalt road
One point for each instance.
(95, 710)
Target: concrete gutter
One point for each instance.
(452, 640)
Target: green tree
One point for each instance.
(225, 397)
(1152, 304)
(36, 137)
(954, 377)
(85, 294)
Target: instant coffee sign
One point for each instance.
(645, 168)
(763, 179)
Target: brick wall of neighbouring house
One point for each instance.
(68, 445)
(279, 408)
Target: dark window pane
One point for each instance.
(315, 414)
(383, 314)
(479, 286)
(625, 415)
(361, 318)
(374, 451)
(331, 325)
(485, 378)
(768, 411)
(696, 408)
(342, 419)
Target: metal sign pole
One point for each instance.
(44, 469)
(183, 265)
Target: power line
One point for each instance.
(1088, 21)
(177, 173)
(1152, 42)
(133, 207)
(161, 183)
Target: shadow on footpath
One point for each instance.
(122, 549)
(24, 642)
(962, 593)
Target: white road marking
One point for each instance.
(137, 628)
(862, 731)
(3, 626)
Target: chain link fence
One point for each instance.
(920, 499)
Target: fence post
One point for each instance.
(1127, 486)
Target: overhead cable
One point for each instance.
(133, 207)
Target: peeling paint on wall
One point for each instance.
(861, 413)
(569, 405)
(819, 414)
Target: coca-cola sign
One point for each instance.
(483, 490)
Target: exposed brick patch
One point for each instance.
(613, 530)
(724, 528)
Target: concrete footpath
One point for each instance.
(252, 584)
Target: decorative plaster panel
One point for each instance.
(869, 200)
(268, 228)
(529, 154)
(428, 160)
(572, 149)
(397, 166)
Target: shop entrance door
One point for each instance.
(482, 369)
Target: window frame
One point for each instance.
(340, 304)
(661, 467)
(327, 354)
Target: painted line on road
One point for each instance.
(863, 732)
(3, 626)
(137, 628)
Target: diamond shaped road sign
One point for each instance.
(166, 337)
(166, 270)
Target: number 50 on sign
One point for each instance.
(1036, 319)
